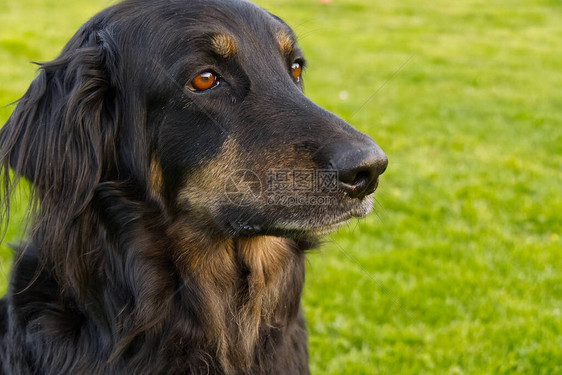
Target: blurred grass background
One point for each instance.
(459, 271)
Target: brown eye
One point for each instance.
(203, 81)
(296, 70)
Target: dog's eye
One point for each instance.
(296, 70)
(203, 81)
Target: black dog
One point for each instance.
(178, 174)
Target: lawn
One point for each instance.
(459, 270)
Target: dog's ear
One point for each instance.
(62, 134)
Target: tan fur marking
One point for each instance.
(238, 307)
(208, 183)
(204, 190)
(224, 45)
(235, 315)
(267, 258)
(285, 41)
(211, 262)
(155, 176)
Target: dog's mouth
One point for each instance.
(314, 224)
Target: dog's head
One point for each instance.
(201, 104)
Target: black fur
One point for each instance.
(136, 263)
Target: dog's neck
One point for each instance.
(242, 292)
(249, 286)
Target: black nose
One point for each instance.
(358, 165)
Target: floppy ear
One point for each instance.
(61, 136)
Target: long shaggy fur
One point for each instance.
(136, 262)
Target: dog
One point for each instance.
(178, 177)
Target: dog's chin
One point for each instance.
(330, 223)
(306, 227)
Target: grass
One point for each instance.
(460, 269)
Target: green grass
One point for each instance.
(460, 269)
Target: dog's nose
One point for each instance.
(358, 166)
